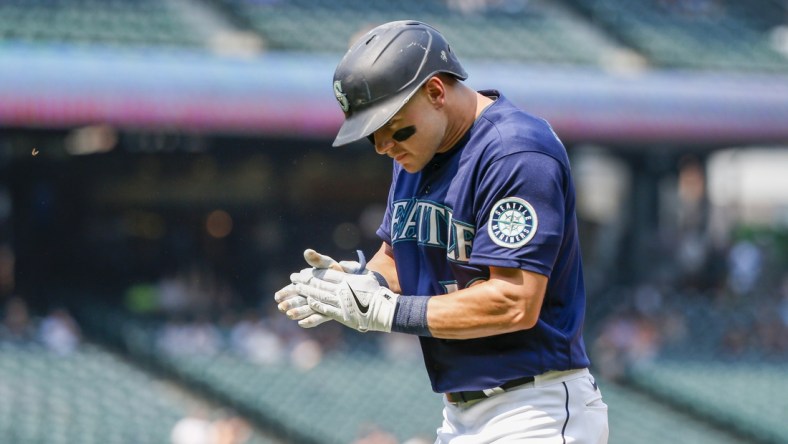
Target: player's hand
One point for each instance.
(318, 260)
(357, 301)
(294, 305)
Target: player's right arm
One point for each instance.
(383, 262)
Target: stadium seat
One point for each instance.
(662, 424)
(734, 393)
(90, 396)
(138, 23)
(542, 33)
(721, 35)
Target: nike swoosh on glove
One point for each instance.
(357, 301)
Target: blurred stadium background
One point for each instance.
(163, 164)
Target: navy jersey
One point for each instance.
(503, 197)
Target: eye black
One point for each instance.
(404, 134)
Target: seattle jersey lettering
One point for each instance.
(430, 224)
(461, 241)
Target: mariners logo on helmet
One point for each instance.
(341, 96)
(512, 222)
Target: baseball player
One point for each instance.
(480, 255)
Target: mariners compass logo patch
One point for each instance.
(512, 222)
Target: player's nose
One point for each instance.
(383, 145)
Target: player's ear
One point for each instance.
(435, 90)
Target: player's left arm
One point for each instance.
(509, 301)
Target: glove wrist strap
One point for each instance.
(410, 316)
(381, 280)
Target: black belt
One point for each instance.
(481, 394)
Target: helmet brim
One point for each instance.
(364, 122)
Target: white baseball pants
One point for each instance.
(557, 408)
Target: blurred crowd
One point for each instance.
(733, 306)
(720, 304)
(198, 313)
(730, 303)
(56, 330)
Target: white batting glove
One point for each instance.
(295, 306)
(318, 260)
(357, 301)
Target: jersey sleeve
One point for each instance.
(520, 217)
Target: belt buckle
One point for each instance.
(493, 391)
(459, 397)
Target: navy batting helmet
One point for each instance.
(382, 71)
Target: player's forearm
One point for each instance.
(477, 312)
(488, 309)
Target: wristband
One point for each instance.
(410, 315)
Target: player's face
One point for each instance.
(413, 135)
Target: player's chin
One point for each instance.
(410, 166)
